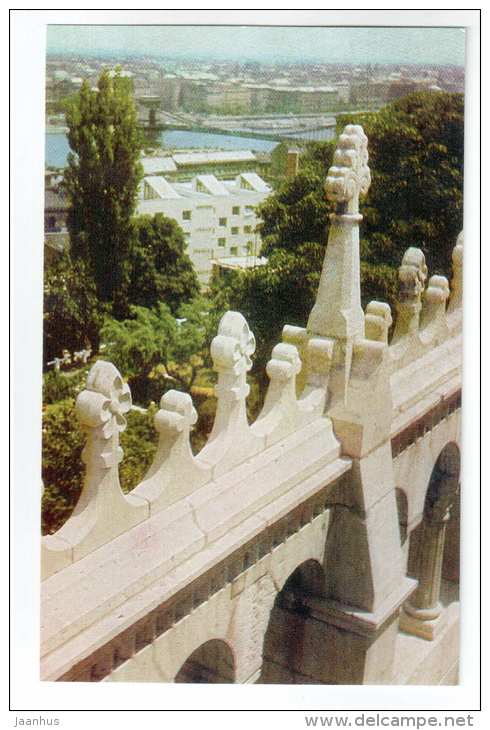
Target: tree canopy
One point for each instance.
(153, 339)
(415, 199)
(73, 315)
(101, 180)
(160, 270)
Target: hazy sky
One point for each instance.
(336, 45)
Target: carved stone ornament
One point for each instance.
(437, 290)
(102, 405)
(412, 275)
(378, 321)
(285, 362)
(349, 175)
(234, 345)
(176, 413)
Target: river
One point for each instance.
(57, 144)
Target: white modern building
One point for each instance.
(218, 216)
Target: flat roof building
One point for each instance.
(218, 216)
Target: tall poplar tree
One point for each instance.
(102, 181)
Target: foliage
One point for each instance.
(72, 313)
(415, 199)
(298, 211)
(60, 386)
(62, 470)
(61, 463)
(263, 294)
(154, 338)
(416, 149)
(102, 181)
(161, 271)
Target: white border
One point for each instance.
(28, 58)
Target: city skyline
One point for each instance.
(266, 44)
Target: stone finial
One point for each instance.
(412, 275)
(457, 280)
(284, 364)
(100, 409)
(337, 312)
(280, 414)
(177, 413)
(174, 473)
(102, 512)
(349, 176)
(231, 350)
(233, 346)
(378, 321)
(435, 298)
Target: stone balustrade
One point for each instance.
(343, 403)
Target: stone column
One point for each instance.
(422, 614)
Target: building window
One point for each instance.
(222, 222)
(234, 231)
(235, 210)
(221, 241)
(234, 250)
(247, 229)
(186, 215)
(250, 247)
(249, 209)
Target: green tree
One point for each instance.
(154, 348)
(415, 199)
(101, 180)
(73, 316)
(416, 147)
(298, 212)
(161, 271)
(264, 295)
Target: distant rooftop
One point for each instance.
(240, 262)
(245, 185)
(158, 164)
(200, 158)
(161, 187)
(209, 184)
(252, 181)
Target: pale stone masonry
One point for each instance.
(319, 544)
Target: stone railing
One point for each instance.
(425, 350)
(103, 512)
(426, 316)
(341, 401)
(342, 359)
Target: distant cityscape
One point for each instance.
(213, 132)
(252, 88)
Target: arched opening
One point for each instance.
(288, 656)
(402, 509)
(433, 557)
(211, 663)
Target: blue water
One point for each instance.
(182, 138)
(57, 144)
(57, 149)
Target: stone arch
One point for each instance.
(211, 663)
(414, 466)
(287, 649)
(422, 613)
